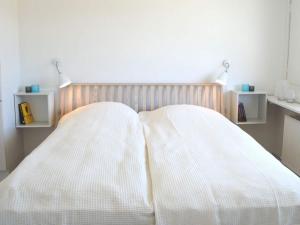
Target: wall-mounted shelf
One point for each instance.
(293, 107)
(42, 107)
(255, 104)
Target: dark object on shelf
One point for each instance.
(28, 89)
(242, 113)
(251, 88)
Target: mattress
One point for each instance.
(207, 171)
(90, 171)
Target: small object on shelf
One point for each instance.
(245, 87)
(281, 87)
(28, 89)
(25, 113)
(251, 88)
(290, 95)
(242, 114)
(35, 88)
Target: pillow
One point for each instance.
(108, 110)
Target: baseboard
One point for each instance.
(3, 175)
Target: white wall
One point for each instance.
(153, 40)
(294, 65)
(2, 148)
(10, 76)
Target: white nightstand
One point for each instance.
(255, 104)
(42, 107)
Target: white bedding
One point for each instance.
(90, 171)
(207, 171)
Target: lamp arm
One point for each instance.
(63, 79)
(58, 67)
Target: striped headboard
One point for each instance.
(142, 97)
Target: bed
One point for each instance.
(90, 171)
(177, 162)
(205, 170)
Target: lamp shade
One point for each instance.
(222, 78)
(64, 81)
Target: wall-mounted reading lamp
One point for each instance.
(223, 77)
(64, 80)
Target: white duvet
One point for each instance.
(206, 171)
(90, 171)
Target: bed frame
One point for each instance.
(142, 97)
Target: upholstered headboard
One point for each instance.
(142, 97)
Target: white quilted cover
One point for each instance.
(207, 171)
(90, 171)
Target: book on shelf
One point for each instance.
(25, 113)
(242, 113)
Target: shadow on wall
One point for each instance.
(32, 138)
(13, 149)
(269, 135)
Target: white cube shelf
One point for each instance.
(42, 108)
(255, 104)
